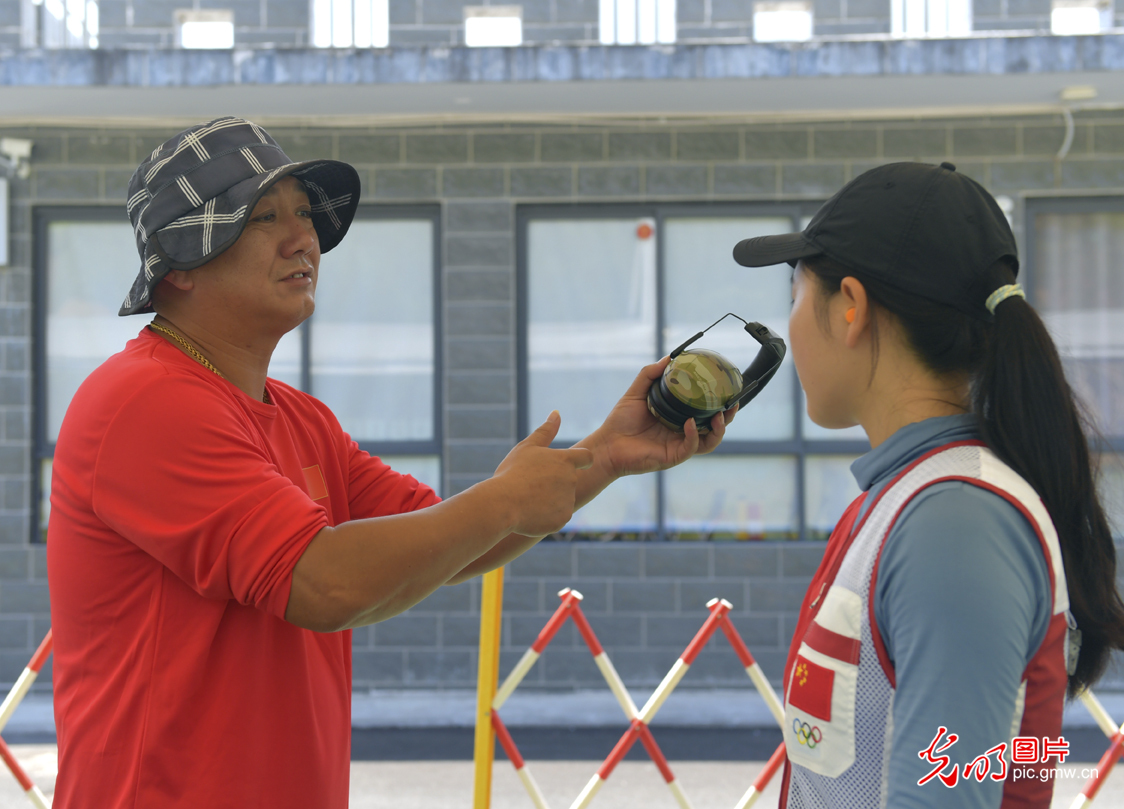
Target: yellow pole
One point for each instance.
(491, 612)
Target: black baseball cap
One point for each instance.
(924, 229)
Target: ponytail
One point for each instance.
(1029, 417)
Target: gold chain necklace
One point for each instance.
(195, 354)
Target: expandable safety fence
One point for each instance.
(8, 707)
(638, 718)
(1111, 755)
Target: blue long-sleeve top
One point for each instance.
(963, 602)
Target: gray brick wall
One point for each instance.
(645, 600)
(23, 576)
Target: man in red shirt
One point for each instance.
(214, 534)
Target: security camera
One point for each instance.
(18, 154)
(16, 148)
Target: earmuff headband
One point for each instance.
(674, 412)
(764, 365)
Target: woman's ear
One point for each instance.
(853, 308)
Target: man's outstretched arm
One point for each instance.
(365, 571)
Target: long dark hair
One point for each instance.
(1029, 417)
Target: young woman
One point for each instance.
(973, 582)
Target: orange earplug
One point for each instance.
(849, 315)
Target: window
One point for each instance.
(605, 290)
(1073, 279)
(350, 23)
(1074, 17)
(204, 29)
(930, 18)
(370, 352)
(631, 22)
(3, 221)
(784, 21)
(493, 26)
(59, 24)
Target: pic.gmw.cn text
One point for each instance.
(1025, 751)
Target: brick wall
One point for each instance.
(285, 23)
(645, 600)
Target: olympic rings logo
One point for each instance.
(807, 734)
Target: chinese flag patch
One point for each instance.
(810, 689)
(314, 479)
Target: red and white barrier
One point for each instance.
(649, 742)
(513, 754)
(1111, 755)
(638, 719)
(1104, 766)
(636, 730)
(26, 678)
(766, 775)
(33, 793)
(602, 775)
(8, 707)
(719, 617)
(1099, 714)
(569, 608)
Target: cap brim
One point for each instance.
(764, 251)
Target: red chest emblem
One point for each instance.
(314, 479)
(810, 689)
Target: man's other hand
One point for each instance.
(540, 481)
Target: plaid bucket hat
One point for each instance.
(190, 199)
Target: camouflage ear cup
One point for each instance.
(667, 413)
(696, 384)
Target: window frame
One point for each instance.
(431, 446)
(1033, 206)
(43, 450)
(36, 29)
(900, 17)
(797, 447)
(377, 7)
(609, 28)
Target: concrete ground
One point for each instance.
(413, 762)
(448, 784)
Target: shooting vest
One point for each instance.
(839, 682)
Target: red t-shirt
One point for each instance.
(179, 508)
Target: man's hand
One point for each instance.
(363, 571)
(540, 482)
(536, 489)
(632, 440)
